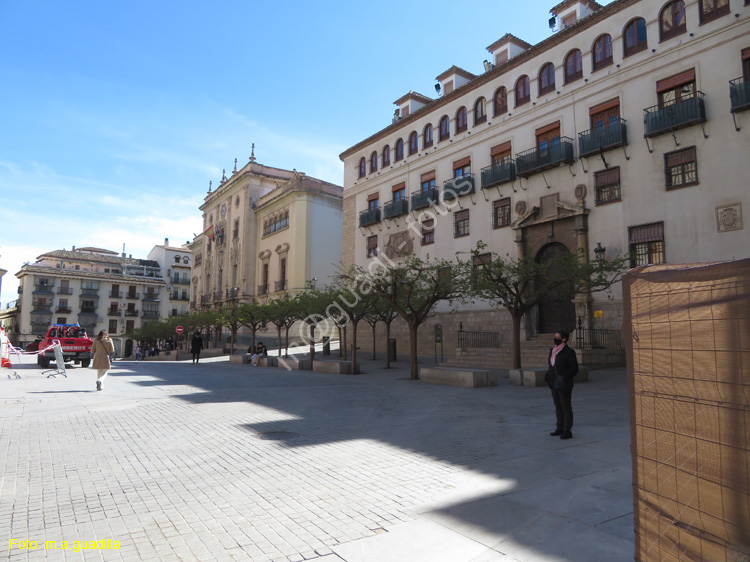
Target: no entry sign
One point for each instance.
(179, 329)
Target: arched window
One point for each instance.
(547, 79)
(634, 38)
(479, 115)
(413, 143)
(500, 101)
(672, 20)
(362, 167)
(573, 66)
(523, 94)
(602, 52)
(427, 136)
(177, 259)
(185, 260)
(374, 162)
(461, 120)
(386, 156)
(286, 218)
(399, 150)
(444, 130)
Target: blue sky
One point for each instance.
(116, 115)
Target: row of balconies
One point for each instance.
(278, 286)
(657, 121)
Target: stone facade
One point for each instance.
(634, 147)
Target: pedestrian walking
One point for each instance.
(101, 349)
(563, 366)
(196, 345)
(138, 352)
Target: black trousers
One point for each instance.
(196, 356)
(563, 408)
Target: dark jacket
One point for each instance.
(196, 344)
(566, 366)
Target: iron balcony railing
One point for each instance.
(181, 281)
(93, 291)
(88, 310)
(115, 294)
(280, 285)
(131, 313)
(263, 289)
(458, 187)
(150, 314)
(43, 288)
(658, 120)
(535, 160)
(65, 291)
(423, 199)
(611, 136)
(63, 310)
(205, 299)
(739, 94)
(394, 209)
(232, 293)
(113, 312)
(370, 216)
(132, 295)
(594, 338)
(217, 295)
(498, 174)
(47, 308)
(151, 296)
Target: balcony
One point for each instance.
(64, 291)
(43, 288)
(423, 199)
(262, 289)
(131, 312)
(115, 294)
(151, 296)
(217, 296)
(371, 216)
(63, 310)
(181, 281)
(684, 113)
(499, 174)
(280, 285)
(205, 299)
(90, 291)
(598, 139)
(41, 309)
(150, 314)
(232, 293)
(739, 94)
(394, 209)
(88, 310)
(132, 295)
(458, 187)
(535, 160)
(176, 297)
(115, 312)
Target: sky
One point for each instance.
(114, 116)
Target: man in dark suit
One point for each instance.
(563, 366)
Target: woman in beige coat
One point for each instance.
(101, 350)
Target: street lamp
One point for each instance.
(599, 251)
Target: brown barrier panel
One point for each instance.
(687, 337)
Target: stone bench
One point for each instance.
(534, 376)
(456, 376)
(294, 363)
(333, 367)
(240, 358)
(267, 362)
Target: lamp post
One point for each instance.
(599, 251)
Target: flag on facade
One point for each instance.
(210, 232)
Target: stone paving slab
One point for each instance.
(218, 461)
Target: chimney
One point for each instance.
(166, 241)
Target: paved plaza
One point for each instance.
(223, 461)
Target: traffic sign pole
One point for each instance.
(179, 330)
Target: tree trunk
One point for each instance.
(341, 342)
(278, 345)
(373, 341)
(413, 345)
(254, 329)
(346, 354)
(312, 345)
(516, 317)
(234, 337)
(355, 370)
(286, 342)
(387, 345)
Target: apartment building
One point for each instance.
(624, 131)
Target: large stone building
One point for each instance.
(622, 132)
(267, 232)
(100, 290)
